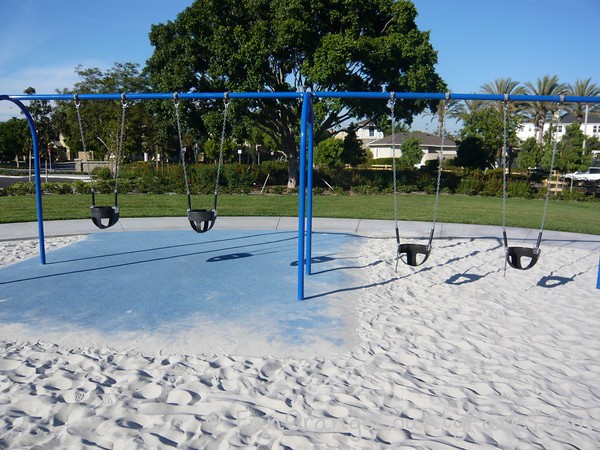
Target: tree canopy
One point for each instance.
(101, 120)
(296, 45)
(412, 154)
(13, 134)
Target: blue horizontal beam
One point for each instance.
(159, 96)
(298, 95)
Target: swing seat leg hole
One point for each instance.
(522, 258)
(104, 216)
(413, 254)
(202, 220)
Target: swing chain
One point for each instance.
(79, 122)
(504, 152)
(124, 105)
(220, 164)
(392, 106)
(440, 165)
(552, 162)
(181, 148)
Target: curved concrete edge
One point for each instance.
(360, 227)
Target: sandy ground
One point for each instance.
(451, 354)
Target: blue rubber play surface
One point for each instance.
(141, 282)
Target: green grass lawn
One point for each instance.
(579, 217)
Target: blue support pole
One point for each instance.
(302, 193)
(309, 187)
(38, 184)
(598, 281)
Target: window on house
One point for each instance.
(559, 128)
(371, 131)
(596, 129)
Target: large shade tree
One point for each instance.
(296, 45)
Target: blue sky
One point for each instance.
(478, 41)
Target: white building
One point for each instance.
(380, 146)
(592, 128)
(431, 144)
(366, 132)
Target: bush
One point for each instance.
(518, 189)
(471, 185)
(238, 179)
(278, 190)
(574, 195)
(102, 173)
(57, 188)
(493, 187)
(365, 189)
(81, 187)
(25, 188)
(104, 186)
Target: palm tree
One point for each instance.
(538, 111)
(444, 111)
(583, 88)
(508, 86)
(462, 110)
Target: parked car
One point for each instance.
(592, 174)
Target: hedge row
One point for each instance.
(241, 179)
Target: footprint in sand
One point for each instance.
(9, 364)
(179, 397)
(57, 383)
(150, 391)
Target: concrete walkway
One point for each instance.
(360, 227)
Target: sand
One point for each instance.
(451, 354)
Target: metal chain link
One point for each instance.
(440, 164)
(120, 144)
(392, 105)
(181, 149)
(504, 151)
(79, 121)
(221, 146)
(552, 162)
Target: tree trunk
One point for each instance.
(292, 173)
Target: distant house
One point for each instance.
(430, 145)
(380, 146)
(592, 128)
(366, 132)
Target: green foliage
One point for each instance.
(12, 139)
(411, 153)
(101, 120)
(482, 138)
(472, 153)
(41, 112)
(353, 153)
(26, 188)
(102, 173)
(530, 154)
(328, 153)
(570, 154)
(269, 45)
(519, 189)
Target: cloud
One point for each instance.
(44, 79)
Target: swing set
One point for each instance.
(203, 220)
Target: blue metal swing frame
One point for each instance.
(306, 142)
